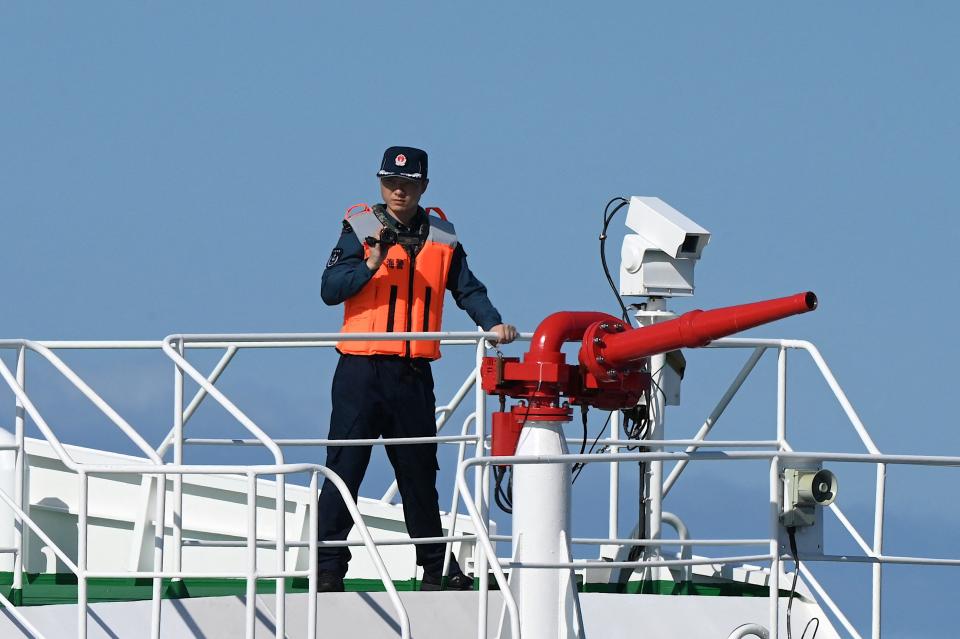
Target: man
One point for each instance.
(389, 269)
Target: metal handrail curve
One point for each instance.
(80, 385)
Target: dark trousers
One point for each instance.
(382, 396)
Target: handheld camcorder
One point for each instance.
(388, 237)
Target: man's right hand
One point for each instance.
(376, 256)
(506, 333)
(375, 259)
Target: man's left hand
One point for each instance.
(506, 333)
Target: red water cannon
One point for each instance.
(610, 372)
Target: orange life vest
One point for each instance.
(405, 294)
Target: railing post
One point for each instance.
(312, 578)
(178, 460)
(781, 396)
(455, 499)
(775, 567)
(876, 617)
(159, 528)
(614, 517)
(20, 480)
(483, 538)
(775, 564)
(479, 557)
(655, 411)
(82, 556)
(251, 603)
(281, 525)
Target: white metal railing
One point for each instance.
(782, 346)
(251, 575)
(873, 554)
(477, 501)
(174, 347)
(774, 458)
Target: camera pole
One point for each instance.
(649, 313)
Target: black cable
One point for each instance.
(504, 499)
(640, 427)
(607, 216)
(639, 431)
(499, 496)
(600, 432)
(653, 377)
(578, 468)
(575, 468)
(792, 532)
(583, 418)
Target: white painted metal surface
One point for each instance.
(441, 615)
(547, 599)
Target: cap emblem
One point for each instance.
(401, 160)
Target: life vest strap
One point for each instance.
(439, 212)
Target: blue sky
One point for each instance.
(184, 169)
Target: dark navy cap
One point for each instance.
(404, 161)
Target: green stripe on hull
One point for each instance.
(46, 589)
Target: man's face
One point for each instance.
(402, 196)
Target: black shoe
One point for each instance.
(329, 581)
(456, 581)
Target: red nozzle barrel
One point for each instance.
(693, 329)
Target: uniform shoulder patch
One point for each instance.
(334, 256)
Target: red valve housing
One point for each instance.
(507, 426)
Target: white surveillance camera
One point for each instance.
(659, 259)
